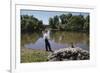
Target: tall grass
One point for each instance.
(30, 55)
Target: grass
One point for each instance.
(30, 55)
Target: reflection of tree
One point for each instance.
(29, 38)
(68, 37)
(61, 37)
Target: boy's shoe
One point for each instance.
(51, 50)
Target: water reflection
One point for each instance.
(59, 39)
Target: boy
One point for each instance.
(46, 36)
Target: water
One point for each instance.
(59, 39)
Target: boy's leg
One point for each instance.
(46, 45)
(49, 46)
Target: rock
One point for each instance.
(66, 54)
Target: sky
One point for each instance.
(45, 15)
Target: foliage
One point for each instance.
(86, 24)
(67, 22)
(76, 23)
(70, 22)
(30, 24)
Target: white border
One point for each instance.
(16, 66)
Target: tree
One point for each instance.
(69, 15)
(63, 19)
(30, 24)
(40, 25)
(86, 24)
(76, 23)
(56, 21)
(51, 22)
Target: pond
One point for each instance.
(58, 40)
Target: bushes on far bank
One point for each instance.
(67, 22)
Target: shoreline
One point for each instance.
(32, 55)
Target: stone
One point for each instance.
(66, 54)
